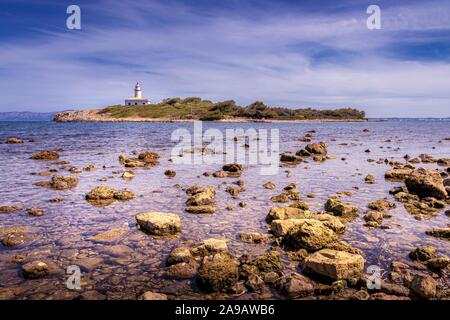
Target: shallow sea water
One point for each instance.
(62, 233)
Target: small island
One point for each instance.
(137, 109)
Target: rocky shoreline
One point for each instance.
(95, 115)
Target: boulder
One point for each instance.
(335, 264)
(340, 208)
(209, 247)
(426, 183)
(438, 263)
(381, 205)
(101, 193)
(308, 234)
(283, 213)
(398, 173)
(317, 148)
(296, 286)
(159, 223)
(268, 262)
(424, 286)
(60, 182)
(290, 157)
(46, 155)
(35, 269)
(422, 253)
(218, 273)
(439, 233)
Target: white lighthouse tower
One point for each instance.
(137, 100)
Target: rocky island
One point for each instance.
(194, 108)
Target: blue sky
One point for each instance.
(286, 53)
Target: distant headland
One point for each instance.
(138, 109)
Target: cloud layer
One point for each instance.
(283, 53)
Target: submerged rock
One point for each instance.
(105, 195)
(335, 264)
(439, 233)
(46, 155)
(159, 223)
(9, 209)
(35, 269)
(317, 148)
(253, 237)
(381, 205)
(35, 212)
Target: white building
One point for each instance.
(137, 100)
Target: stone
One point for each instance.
(124, 195)
(108, 236)
(170, 173)
(299, 205)
(209, 247)
(398, 174)
(253, 237)
(35, 212)
(340, 208)
(35, 269)
(381, 205)
(426, 183)
(13, 239)
(369, 179)
(439, 233)
(330, 221)
(317, 148)
(128, 175)
(283, 213)
(9, 209)
(334, 264)
(149, 295)
(218, 273)
(289, 157)
(101, 193)
(374, 216)
(232, 167)
(269, 185)
(46, 155)
(282, 198)
(268, 262)
(424, 286)
(60, 182)
(159, 223)
(309, 234)
(88, 264)
(119, 250)
(422, 253)
(178, 255)
(206, 209)
(14, 141)
(438, 263)
(182, 270)
(297, 286)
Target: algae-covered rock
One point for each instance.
(309, 234)
(218, 273)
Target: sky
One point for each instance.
(294, 54)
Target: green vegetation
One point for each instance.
(196, 108)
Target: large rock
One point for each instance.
(35, 269)
(60, 182)
(296, 286)
(381, 205)
(422, 253)
(218, 273)
(398, 173)
(335, 264)
(309, 234)
(340, 208)
(283, 213)
(424, 286)
(426, 183)
(317, 148)
(159, 223)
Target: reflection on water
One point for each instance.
(61, 236)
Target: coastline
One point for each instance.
(93, 115)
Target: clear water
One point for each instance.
(61, 235)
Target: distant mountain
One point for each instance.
(26, 116)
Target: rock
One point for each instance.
(438, 263)
(422, 253)
(14, 141)
(387, 297)
(369, 179)
(183, 270)
(178, 255)
(424, 286)
(9, 209)
(159, 223)
(426, 183)
(232, 167)
(149, 295)
(149, 158)
(201, 199)
(218, 273)
(317, 148)
(89, 167)
(35, 212)
(92, 295)
(35, 269)
(308, 234)
(443, 162)
(439, 233)
(269, 185)
(335, 264)
(108, 236)
(209, 247)
(425, 158)
(124, 195)
(253, 237)
(374, 216)
(206, 209)
(297, 286)
(289, 157)
(268, 262)
(300, 205)
(101, 193)
(88, 264)
(128, 175)
(340, 208)
(170, 173)
(15, 238)
(329, 221)
(381, 205)
(283, 213)
(46, 155)
(74, 170)
(60, 182)
(398, 174)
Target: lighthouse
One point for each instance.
(137, 100)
